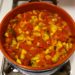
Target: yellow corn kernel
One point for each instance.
(55, 58)
(22, 56)
(47, 51)
(36, 33)
(34, 64)
(14, 42)
(28, 42)
(53, 28)
(29, 38)
(48, 57)
(45, 36)
(21, 37)
(36, 57)
(34, 19)
(68, 46)
(23, 52)
(18, 61)
(51, 47)
(6, 34)
(59, 45)
(36, 28)
(37, 61)
(17, 45)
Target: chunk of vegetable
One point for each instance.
(18, 61)
(35, 60)
(53, 29)
(67, 46)
(48, 50)
(29, 42)
(23, 52)
(21, 37)
(59, 45)
(48, 57)
(36, 33)
(36, 28)
(6, 34)
(45, 36)
(55, 58)
(14, 42)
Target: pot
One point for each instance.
(34, 6)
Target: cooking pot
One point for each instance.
(36, 6)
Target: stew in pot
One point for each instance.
(38, 38)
